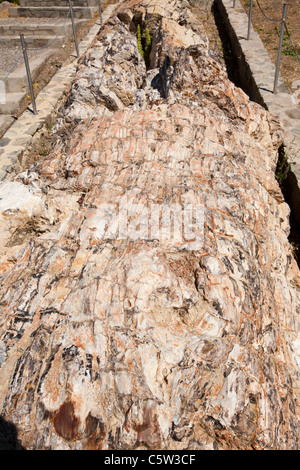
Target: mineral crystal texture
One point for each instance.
(121, 329)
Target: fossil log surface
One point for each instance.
(119, 334)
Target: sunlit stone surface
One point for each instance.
(115, 333)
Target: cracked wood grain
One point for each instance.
(128, 342)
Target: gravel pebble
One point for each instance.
(32, 20)
(8, 57)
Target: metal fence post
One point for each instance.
(28, 73)
(250, 19)
(74, 27)
(100, 11)
(284, 13)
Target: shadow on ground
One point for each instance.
(9, 436)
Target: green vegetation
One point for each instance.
(148, 46)
(139, 41)
(144, 44)
(44, 150)
(11, 1)
(290, 51)
(287, 48)
(283, 168)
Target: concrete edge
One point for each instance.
(19, 136)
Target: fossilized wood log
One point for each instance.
(111, 342)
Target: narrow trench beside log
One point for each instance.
(235, 66)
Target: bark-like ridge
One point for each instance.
(124, 343)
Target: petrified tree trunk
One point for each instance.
(111, 339)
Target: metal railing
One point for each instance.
(25, 51)
(283, 29)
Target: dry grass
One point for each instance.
(4, 13)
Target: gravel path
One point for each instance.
(9, 55)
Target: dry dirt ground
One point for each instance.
(269, 32)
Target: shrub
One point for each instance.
(144, 44)
(148, 46)
(139, 41)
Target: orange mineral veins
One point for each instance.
(118, 333)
